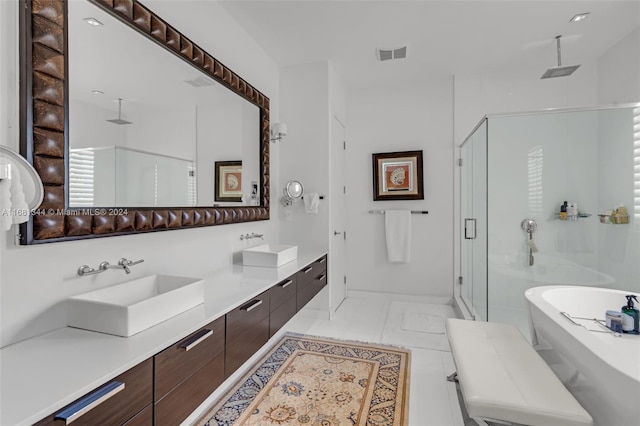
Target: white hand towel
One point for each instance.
(397, 226)
(311, 202)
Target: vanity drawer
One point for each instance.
(176, 363)
(304, 277)
(282, 314)
(143, 418)
(246, 316)
(122, 398)
(282, 292)
(240, 348)
(310, 290)
(188, 395)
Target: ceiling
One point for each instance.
(443, 37)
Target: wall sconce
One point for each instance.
(278, 131)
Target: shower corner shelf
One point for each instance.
(614, 219)
(581, 215)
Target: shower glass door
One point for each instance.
(473, 235)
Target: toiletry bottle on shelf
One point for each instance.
(572, 211)
(563, 211)
(622, 214)
(630, 310)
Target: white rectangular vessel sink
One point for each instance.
(129, 308)
(269, 255)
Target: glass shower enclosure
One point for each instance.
(516, 173)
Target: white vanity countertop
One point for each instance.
(41, 375)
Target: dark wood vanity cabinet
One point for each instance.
(124, 400)
(282, 299)
(310, 281)
(187, 372)
(247, 331)
(167, 388)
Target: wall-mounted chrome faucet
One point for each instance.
(123, 264)
(250, 236)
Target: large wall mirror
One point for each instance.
(127, 122)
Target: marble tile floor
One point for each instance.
(433, 400)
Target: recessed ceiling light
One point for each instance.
(93, 21)
(579, 17)
(97, 92)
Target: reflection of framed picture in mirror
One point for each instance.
(397, 176)
(228, 181)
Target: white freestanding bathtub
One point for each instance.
(601, 369)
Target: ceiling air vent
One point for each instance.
(388, 54)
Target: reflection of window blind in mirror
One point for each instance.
(192, 190)
(636, 164)
(81, 177)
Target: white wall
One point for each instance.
(518, 90)
(401, 117)
(304, 152)
(619, 72)
(35, 280)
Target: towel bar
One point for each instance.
(412, 211)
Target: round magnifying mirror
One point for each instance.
(294, 189)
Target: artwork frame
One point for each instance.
(228, 181)
(398, 176)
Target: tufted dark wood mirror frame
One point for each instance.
(44, 121)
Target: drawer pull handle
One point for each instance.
(286, 284)
(309, 269)
(322, 277)
(324, 259)
(252, 306)
(87, 403)
(196, 339)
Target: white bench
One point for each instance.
(504, 380)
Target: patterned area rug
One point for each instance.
(319, 382)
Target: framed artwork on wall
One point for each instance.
(397, 176)
(228, 181)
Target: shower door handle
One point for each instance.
(470, 232)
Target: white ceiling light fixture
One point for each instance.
(97, 92)
(580, 17)
(93, 21)
(391, 54)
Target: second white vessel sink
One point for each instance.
(269, 255)
(129, 308)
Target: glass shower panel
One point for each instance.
(536, 163)
(473, 238)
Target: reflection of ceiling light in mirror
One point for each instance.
(97, 92)
(93, 21)
(579, 17)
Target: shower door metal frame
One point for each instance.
(469, 236)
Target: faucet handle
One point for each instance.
(87, 270)
(126, 262)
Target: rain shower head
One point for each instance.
(119, 120)
(559, 71)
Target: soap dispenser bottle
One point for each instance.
(630, 310)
